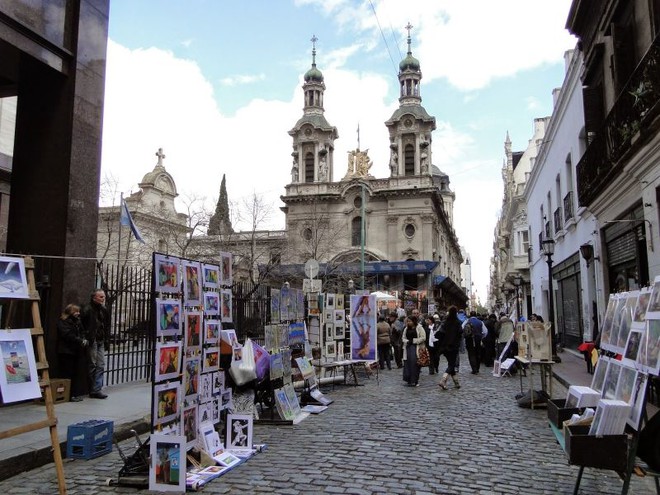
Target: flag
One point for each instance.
(125, 218)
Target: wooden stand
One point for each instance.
(37, 332)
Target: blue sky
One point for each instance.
(217, 85)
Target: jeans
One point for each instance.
(384, 356)
(96, 357)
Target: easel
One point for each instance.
(37, 332)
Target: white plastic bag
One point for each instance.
(243, 368)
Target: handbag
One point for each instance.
(423, 357)
(243, 369)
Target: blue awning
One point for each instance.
(370, 268)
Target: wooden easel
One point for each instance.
(37, 332)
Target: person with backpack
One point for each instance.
(450, 342)
(488, 354)
(473, 332)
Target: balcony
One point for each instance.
(558, 221)
(627, 127)
(568, 206)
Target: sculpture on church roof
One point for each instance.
(358, 164)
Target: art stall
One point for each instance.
(599, 426)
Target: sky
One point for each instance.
(218, 84)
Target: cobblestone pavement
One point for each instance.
(385, 438)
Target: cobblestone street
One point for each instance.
(390, 439)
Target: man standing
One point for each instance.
(473, 330)
(398, 327)
(95, 319)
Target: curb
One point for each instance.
(40, 457)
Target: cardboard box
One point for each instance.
(606, 452)
(60, 389)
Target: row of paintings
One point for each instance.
(283, 335)
(171, 272)
(169, 321)
(286, 304)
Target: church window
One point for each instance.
(307, 234)
(309, 167)
(162, 246)
(409, 159)
(356, 231)
(409, 230)
(357, 202)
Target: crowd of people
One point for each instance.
(407, 339)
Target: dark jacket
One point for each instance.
(452, 335)
(96, 322)
(69, 336)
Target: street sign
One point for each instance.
(311, 268)
(312, 285)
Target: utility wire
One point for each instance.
(373, 9)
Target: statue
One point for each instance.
(394, 162)
(363, 164)
(350, 173)
(323, 169)
(423, 162)
(294, 171)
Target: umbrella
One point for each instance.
(383, 296)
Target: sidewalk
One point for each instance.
(128, 406)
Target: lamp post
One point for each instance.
(517, 281)
(548, 247)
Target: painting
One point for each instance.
(169, 360)
(363, 327)
(218, 382)
(340, 332)
(608, 321)
(212, 332)
(190, 425)
(283, 406)
(211, 276)
(339, 316)
(654, 300)
(648, 357)
(329, 331)
(297, 333)
(225, 304)
(167, 397)
(205, 387)
(611, 379)
(210, 437)
(609, 339)
(227, 459)
(192, 367)
(638, 401)
(192, 283)
(211, 359)
(168, 316)
(226, 400)
(632, 347)
(642, 305)
(330, 301)
(226, 269)
(211, 303)
(339, 301)
(239, 432)
(13, 282)
(274, 305)
(166, 270)
(598, 379)
(330, 349)
(19, 379)
(626, 384)
(167, 472)
(626, 320)
(193, 329)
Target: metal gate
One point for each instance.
(251, 309)
(128, 297)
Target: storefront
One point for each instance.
(570, 332)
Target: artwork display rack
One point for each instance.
(37, 333)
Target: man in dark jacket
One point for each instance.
(95, 319)
(473, 331)
(489, 340)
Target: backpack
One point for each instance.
(468, 330)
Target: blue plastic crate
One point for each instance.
(89, 439)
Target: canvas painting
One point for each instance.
(649, 348)
(211, 276)
(191, 369)
(276, 366)
(239, 432)
(638, 401)
(610, 343)
(206, 387)
(211, 303)
(642, 305)
(19, 379)
(284, 409)
(274, 305)
(339, 301)
(212, 332)
(167, 397)
(296, 333)
(13, 282)
(626, 384)
(330, 349)
(192, 283)
(166, 269)
(340, 332)
(654, 301)
(632, 347)
(225, 302)
(167, 472)
(226, 400)
(598, 379)
(226, 269)
(193, 329)
(190, 425)
(611, 379)
(283, 335)
(608, 321)
(168, 315)
(211, 359)
(329, 331)
(339, 316)
(218, 382)
(626, 319)
(363, 327)
(169, 360)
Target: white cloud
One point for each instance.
(187, 42)
(242, 79)
(532, 103)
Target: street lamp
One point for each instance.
(517, 281)
(351, 286)
(548, 247)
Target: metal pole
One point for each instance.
(362, 238)
(518, 308)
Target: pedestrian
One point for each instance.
(384, 342)
(450, 343)
(436, 350)
(473, 331)
(398, 327)
(71, 348)
(489, 341)
(413, 342)
(461, 346)
(430, 341)
(96, 323)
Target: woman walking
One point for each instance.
(413, 341)
(450, 344)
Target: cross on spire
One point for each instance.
(160, 156)
(314, 40)
(409, 28)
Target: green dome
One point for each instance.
(313, 75)
(409, 62)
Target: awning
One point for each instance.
(370, 268)
(450, 287)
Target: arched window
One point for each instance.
(356, 231)
(309, 167)
(409, 159)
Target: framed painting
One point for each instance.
(211, 303)
(608, 321)
(218, 382)
(166, 270)
(168, 316)
(649, 348)
(330, 349)
(239, 432)
(167, 472)
(339, 301)
(169, 360)
(638, 401)
(167, 397)
(226, 400)
(598, 379)
(205, 387)
(226, 275)
(274, 305)
(19, 379)
(330, 301)
(13, 282)
(212, 332)
(211, 276)
(632, 347)
(225, 304)
(192, 367)
(211, 359)
(190, 425)
(340, 332)
(329, 331)
(282, 405)
(611, 379)
(626, 384)
(193, 330)
(192, 283)
(653, 309)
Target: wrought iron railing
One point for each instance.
(558, 221)
(568, 206)
(625, 127)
